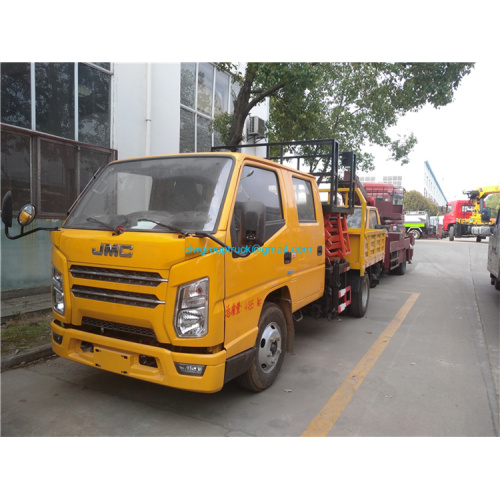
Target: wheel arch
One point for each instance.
(283, 299)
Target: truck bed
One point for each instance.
(367, 248)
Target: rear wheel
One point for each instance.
(270, 350)
(497, 284)
(416, 233)
(359, 299)
(401, 269)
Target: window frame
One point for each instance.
(306, 181)
(35, 139)
(33, 97)
(272, 226)
(197, 113)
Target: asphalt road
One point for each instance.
(423, 362)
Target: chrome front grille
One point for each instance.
(122, 276)
(116, 296)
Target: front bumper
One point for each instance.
(134, 360)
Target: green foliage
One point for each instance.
(355, 103)
(493, 201)
(358, 103)
(414, 200)
(221, 124)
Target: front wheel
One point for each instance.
(359, 299)
(270, 350)
(452, 233)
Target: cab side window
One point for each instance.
(372, 219)
(258, 184)
(304, 199)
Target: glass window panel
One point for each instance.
(93, 106)
(16, 167)
(205, 87)
(90, 163)
(55, 106)
(261, 185)
(204, 135)
(221, 93)
(188, 84)
(16, 94)
(58, 177)
(304, 199)
(187, 132)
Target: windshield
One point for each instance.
(184, 192)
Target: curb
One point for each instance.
(16, 314)
(27, 356)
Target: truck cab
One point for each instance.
(457, 209)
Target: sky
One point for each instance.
(458, 140)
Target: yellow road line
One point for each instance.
(326, 418)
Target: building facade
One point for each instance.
(420, 179)
(62, 122)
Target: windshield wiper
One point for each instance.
(116, 230)
(197, 234)
(171, 228)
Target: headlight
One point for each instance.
(191, 318)
(57, 291)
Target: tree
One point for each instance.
(257, 82)
(415, 201)
(356, 103)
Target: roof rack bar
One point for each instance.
(330, 165)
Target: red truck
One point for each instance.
(458, 209)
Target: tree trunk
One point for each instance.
(241, 108)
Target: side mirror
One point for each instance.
(7, 209)
(26, 215)
(253, 223)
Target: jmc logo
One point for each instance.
(114, 250)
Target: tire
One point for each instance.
(452, 233)
(497, 284)
(478, 239)
(360, 299)
(401, 269)
(270, 350)
(416, 233)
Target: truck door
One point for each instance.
(308, 245)
(251, 272)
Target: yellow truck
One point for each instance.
(477, 220)
(368, 239)
(189, 270)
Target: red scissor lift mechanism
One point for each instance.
(337, 294)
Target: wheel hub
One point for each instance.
(270, 347)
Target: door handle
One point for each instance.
(288, 257)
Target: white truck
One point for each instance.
(418, 224)
(494, 253)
